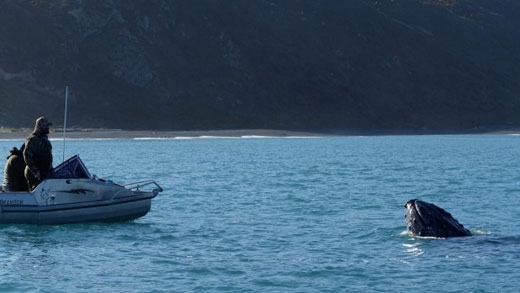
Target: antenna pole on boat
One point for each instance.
(65, 120)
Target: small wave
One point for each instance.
(194, 137)
(408, 234)
(223, 137)
(257, 136)
(213, 137)
(154, 138)
(480, 232)
(269, 136)
(84, 139)
(413, 249)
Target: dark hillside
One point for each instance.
(201, 64)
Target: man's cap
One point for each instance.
(42, 121)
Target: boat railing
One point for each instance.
(140, 185)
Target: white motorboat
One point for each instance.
(73, 195)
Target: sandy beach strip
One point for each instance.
(137, 134)
(21, 134)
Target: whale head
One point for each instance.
(428, 220)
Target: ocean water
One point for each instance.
(284, 215)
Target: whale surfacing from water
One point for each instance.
(428, 220)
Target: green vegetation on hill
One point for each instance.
(199, 64)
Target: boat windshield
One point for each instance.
(71, 168)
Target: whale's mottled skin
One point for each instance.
(428, 220)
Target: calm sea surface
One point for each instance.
(284, 215)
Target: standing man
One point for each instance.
(38, 153)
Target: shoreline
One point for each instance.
(133, 134)
(15, 134)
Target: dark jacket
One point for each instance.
(38, 153)
(14, 179)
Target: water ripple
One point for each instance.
(279, 215)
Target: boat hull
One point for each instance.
(94, 212)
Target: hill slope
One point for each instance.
(199, 64)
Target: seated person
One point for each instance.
(14, 178)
